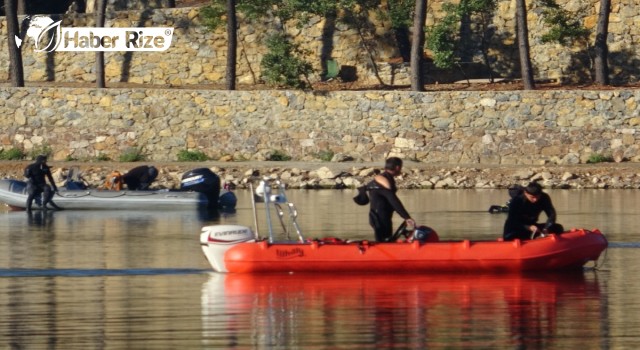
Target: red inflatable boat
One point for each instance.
(235, 248)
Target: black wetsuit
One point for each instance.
(140, 178)
(37, 184)
(383, 203)
(523, 214)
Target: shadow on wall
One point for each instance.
(505, 58)
(33, 7)
(624, 67)
(328, 30)
(348, 74)
(125, 72)
(122, 5)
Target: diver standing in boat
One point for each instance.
(37, 184)
(384, 201)
(524, 210)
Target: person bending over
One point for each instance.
(384, 201)
(140, 178)
(524, 211)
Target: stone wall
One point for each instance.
(198, 56)
(504, 127)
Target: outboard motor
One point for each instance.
(202, 180)
(227, 201)
(425, 234)
(216, 240)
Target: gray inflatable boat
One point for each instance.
(199, 189)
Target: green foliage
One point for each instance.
(12, 154)
(281, 66)
(40, 150)
(279, 156)
(441, 37)
(212, 15)
(564, 27)
(325, 156)
(398, 12)
(599, 158)
(132, 154)
(302, 10)
(191, 156)
(476, 7)
(103, 158)
(70, 158)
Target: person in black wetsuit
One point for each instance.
(524, 210)
(384, 201)
(37, 183)
(140, 178)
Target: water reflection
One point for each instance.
(401, 311)
(138, 279)
(40, 218)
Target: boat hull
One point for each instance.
(570, 250)
(14, 194)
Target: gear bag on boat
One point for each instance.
(362, 198)
(114, 181)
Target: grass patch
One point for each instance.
(102, 158)
(599, 158)
(12, 154)
(192, 156)
(325, 156)
(279, 156)
(132, 154)
(44, 150)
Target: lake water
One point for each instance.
(138, 280)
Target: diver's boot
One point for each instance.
(29, 204)
(54, 206)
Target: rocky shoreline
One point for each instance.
(338, 175)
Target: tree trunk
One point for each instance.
(601, 48)
(523, 45)
(232, 44)
(417, 46)
(15, 54)
(100, 20)
(22, 7)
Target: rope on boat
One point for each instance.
(110, 194)
(597, 266)
(91, 194)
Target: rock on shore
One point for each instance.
(335, 175)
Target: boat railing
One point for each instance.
(272, 193)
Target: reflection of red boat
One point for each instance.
(234, 248)
(539, 287)
(399, 311)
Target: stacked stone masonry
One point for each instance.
(504, 127)
(198, 56)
